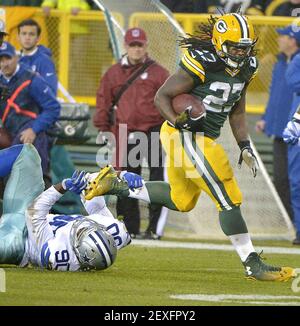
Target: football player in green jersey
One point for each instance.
(216, 68)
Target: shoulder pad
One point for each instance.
(204, 56)
(197, 62)
(209, 60)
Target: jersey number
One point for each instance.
(115, 231)
(226, 90)
(62, 259)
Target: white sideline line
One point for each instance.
(274, 303)
(241, 299)
(210, 246)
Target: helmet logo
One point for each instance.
(221, 26)
(86, 258)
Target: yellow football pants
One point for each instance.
(196, 163)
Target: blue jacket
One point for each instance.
(280, 100)
(37, 97)
(293, 79)
(42, 63)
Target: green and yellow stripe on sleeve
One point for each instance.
(192, 67)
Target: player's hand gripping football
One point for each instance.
(185, 121)
(76, 183)
(247, 155)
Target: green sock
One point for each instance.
(119, 189)
(232, 221)
(160, 193)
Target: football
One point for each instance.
(183, 101)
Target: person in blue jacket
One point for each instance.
(30, 108)
(276, 116)
(291, 135)
(36, 56)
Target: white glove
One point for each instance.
(248, 157)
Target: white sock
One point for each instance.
(140, 193)
(242, 244)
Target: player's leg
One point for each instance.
(217, 180)
(25, 182)
(219, 183)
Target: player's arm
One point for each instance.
(36, 216)
(239, 129)
(237, 120)
(178, 83)
(96, 205)
(40, 231)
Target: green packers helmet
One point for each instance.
(233, 38)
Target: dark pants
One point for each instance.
(129, 207)
(294, 178)
(280, 173)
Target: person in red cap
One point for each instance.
(135, 108)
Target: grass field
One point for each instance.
(145, 276)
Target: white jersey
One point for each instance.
(48, 244)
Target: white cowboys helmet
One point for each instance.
(93, 245)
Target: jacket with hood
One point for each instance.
(40, 61)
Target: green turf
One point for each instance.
(143, 276)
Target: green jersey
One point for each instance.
(216, 85)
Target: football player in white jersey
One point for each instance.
(29, 234)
